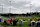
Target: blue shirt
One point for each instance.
(0, 20)
(20, 22)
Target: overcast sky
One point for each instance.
(20, 6)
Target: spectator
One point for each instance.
(11, 21)
(38, 23)
(0, 19)
(15, 22)
(28, 19)
(33, 23)
(4, 22)
(8, 22)
(20, 22)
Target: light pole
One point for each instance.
(30, 11)
(2, 10)
(10, 9)
(0, 13)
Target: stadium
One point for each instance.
(19, 13)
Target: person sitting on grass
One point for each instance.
(20, 22)
(5, 22)
(0, 19)
(28, 19)
(15, 22)
(8, 22)
(11, 21)
(33, 23)
(38, 23)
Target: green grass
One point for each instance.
(25, 24)
(5, 18)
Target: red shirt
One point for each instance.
(8, 22)
(11, 19)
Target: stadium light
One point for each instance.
(2, 10)
(10, 9)
(0, 13)
(30, 10)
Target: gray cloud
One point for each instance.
(20, 6)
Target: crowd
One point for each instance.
(12, 22)
(33, 23)
(20, 22)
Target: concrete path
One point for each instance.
(1, 26)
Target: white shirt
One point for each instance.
(38, 21)
(32, 21)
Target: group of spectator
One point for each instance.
(20, 21)
(12, 22)
(33, 23)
